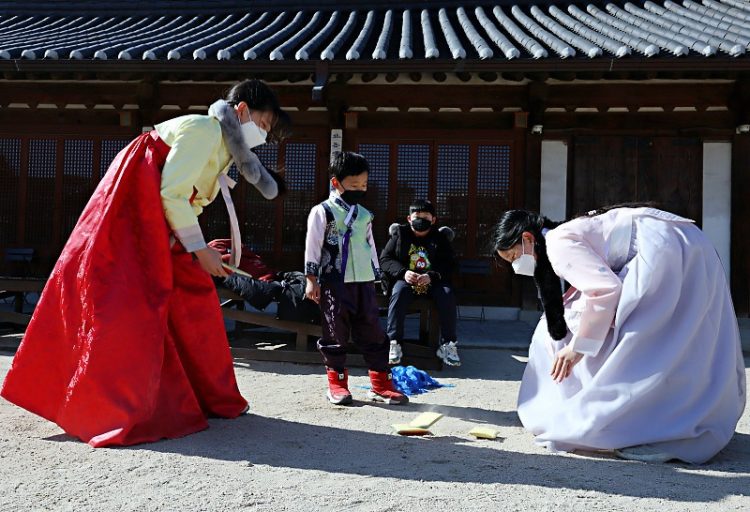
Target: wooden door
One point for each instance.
(617, 169)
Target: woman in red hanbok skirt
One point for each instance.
(127, 344)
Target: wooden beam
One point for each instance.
(715, 123)
(152, 94)
(645, 94)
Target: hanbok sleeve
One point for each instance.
(189, 154)
(373, 252)
(316, 225)
(574, 260)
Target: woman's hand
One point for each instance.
(210, 260)
(312, 290)
(564, 362)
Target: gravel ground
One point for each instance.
(296, 452)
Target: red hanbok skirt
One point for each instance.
(127, 343)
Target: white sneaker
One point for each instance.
(448, 352)
(395, 354)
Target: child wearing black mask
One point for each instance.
(419, 260)
(341, 266)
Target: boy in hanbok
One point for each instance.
(641, 354)
(341, 266)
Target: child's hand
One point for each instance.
(312, 290)
(411, 277)
(424, 279)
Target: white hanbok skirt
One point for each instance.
(670, 372)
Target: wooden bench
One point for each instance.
(18, 287)
(420, 353)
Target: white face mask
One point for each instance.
(525, 264)
(253, 134)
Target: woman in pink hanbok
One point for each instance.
(641, 354)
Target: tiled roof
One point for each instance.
(384, 31)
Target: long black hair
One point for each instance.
(259, 96)
(506, 234)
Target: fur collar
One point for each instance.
(268, 183)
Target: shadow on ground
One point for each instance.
(257, 440)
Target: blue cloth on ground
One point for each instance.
(413, 381)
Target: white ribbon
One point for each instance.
(225, 183)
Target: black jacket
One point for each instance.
(394, 260)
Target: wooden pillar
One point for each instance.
(148, 104)
(740, 226)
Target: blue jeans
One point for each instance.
(402, 296)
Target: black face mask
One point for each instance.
(353, 197)
(420, 224)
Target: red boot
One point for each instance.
(338, 389)
(383, 390)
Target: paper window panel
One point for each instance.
(412, 175)
(77, 169)
(260, 214)
(452, 206)
(493, 189)
(301, 167)
(10, 168)
(379, 158)
(214, 220)
(40, 192)
(110, 149)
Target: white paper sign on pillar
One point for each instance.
(554, 184)
(717, 193)
(337, 138)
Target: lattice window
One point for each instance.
(301, 167)
(214, 219)
(77, 170)
(493, 189)
(412, 174)
(453, 191)
(40, 191)
(260, 213)
(10, 168)
(110, 148)
(379, 158)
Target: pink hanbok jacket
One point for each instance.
(588, 253)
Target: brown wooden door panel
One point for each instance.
(604, 172)
(612, 170)
(670, 172)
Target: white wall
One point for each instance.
(717, 195)
(554, 185)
